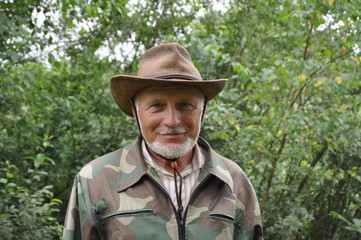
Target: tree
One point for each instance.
(291, 112)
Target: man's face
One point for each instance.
(170, 118)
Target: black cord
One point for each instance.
(136, 117)
(178, 194)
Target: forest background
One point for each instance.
(290, 115)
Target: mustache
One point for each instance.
(172, 130)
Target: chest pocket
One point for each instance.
(129, 208)
(230, 220)
(135, 218)
(125, 217)
(128, 224)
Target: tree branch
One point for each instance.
(274, 165)
(284, 131)
(317, 158)
(309, 38)
(313, 73)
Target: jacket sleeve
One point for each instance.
(248, 213)
(254, 233)
(77, 215)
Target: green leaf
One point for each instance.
(3, 180)
(4, 215)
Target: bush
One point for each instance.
(26, 211)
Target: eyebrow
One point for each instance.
(185, 99)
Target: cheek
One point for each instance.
(149, 124)
(194, 125)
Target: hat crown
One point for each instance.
(168, 61)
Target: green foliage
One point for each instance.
(25, 208)
(355, 225)
(290, 114)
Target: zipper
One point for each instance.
(126, 213)
(190, 199)
(180, 222)
(225, 217)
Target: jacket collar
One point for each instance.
(132, 166)
(214, 164)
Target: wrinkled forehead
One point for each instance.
(182, 90)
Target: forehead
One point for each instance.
(170, 91)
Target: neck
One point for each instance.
(182, 162)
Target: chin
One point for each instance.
(172, 150)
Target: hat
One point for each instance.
(164, 64)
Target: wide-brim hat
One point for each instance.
(164, 64)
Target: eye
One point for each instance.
(185, 106)
(156, 107)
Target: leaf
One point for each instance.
(10, 175)
(319, 83)
(302, 78)
(3, 180)
(339, 216)
(344, 106)
(39, 160)
(357, 222)
(56, 200)
(338, 80)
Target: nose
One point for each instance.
(172, 117)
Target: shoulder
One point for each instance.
(226, 170)
(218, 162)
(101, 166)
(232, 167)
(237, 174)
(108, 162)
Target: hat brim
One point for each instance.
(125, 87)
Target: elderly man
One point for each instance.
(168, 184)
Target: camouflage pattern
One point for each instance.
(118, 196)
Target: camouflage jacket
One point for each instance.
(118, 196)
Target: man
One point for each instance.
(168, 184)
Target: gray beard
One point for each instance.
(173, 151)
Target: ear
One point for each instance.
(135, 114)
(134, 111)
(204, 109)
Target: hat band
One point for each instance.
(177, 76)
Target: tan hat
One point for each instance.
(163, 64)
